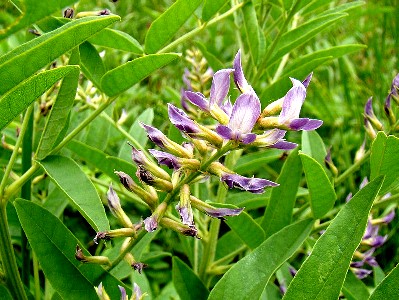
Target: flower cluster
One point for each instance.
(371, 240)
(234, 126)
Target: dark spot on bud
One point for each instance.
(68, 13)
(79, 254)
(138, 266)
(35, 32)
(104, 12)
(101, 236)
(144, 175)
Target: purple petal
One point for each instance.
(245, 113)
(114, 203)
(225, 132)
(186, 214)
(378, 241)
(150, 224)
(292, 102)
(370, 231)
(361, 273)
(227, 107)
(198, 100)
(248, 138)
(220, 86)
(239, 78)
(154, 134)
(357, 264)
(305, 124)
(284, 145)
(137, 291)
(180, 119)
(253, 185)
(166, 159)
(220, 213)
(186, 79)
(368, 108)
(123, 292)
(307, 80)
(389, 217)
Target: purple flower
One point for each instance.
(361, 273)
(123, 293)
(136, 292)
(150, 223)
(186, 214)
(180, 119)
(394, 91)
(166, 159)
(291, 107)
(246, 111)
(274, 139)
(389, 217)
(220, 213)
(114, 203)
(369, 115)
(239, 78)
(253, 185)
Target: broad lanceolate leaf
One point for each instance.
(116, 39)
(211, 7)
(388, 288)
(321, 192)
(303, 33)
(30, 57)
(247, 278)
(70, 178)
(34, 11)
(58, 117)
(91, 63)
(383, 161)
(323, 273)
(55, 246)
(19, 98)
(166, 25)
(278, 213)
(125, 76)
(187, 284)
(313, 146)
(252, 31)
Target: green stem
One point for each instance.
(36, 276)
(386, 202)
(26, 190)
(195, 31)
(10, 267)
(228, 257)
(352, 169)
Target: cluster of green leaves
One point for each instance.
(78, 145)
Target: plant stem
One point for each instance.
(36, 276)
(10, 267)
(195, 31)
(352, 169)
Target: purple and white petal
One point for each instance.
(220, 86)
(253, 185)
(154, 134)
(305, 124)
(227, 107)
(293, 101)
(123, 293)
(150, 224)
(137, 291)
(307, 80)
(220, 213)
(247, 138)
(166, 159)
(284, 145)
(180, 119)
(198, 100)
(389, 217)
(239, 78)
(245, 113)
(225, 132)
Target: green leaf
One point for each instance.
(55, 246)
(101, 160)
(166, 25)
(212, 60)
(97, 132)
(278, 213)
(187, 284)
(252, 31)
(125, 76)
(211, 7)
(229, 242)
(33, 11)
(19, 98)
(252, 162)
(70, 178)
(91, 63)
(323, 272)
(300, 35)
(25, 60)
(138, 133)
(388, 288)
(313, 146)
(321, 191)
(354, 288)
(58, 117)
(246, 229)
(383, 161)
(4, 293)
(248, 278)
(116, 39)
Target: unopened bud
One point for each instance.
(179, 227)
(151, 223)
(148, 178)
(110, 234)
(273, 108)
(68, 13)
(142, 161)
(116, 209)
(361, 151)
(184, 207)
(214, 212)
(329, 163)
(100, 260)
(369, 114)
(102, 294)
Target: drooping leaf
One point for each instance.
(354, 288)
(211, 7)
(303, 33)
(249, 276)
(166, 25)
(33, 11)
(321, 192)
(138, 133)
(323, 273)
(187, 284)
(388, 288)
(125, 76)
(383, 161)
(46, 48)
(58, 117)
(55, 246)
(278, 213)
(70, 178)
(91, 63)
(20, 97)
(116, 39)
